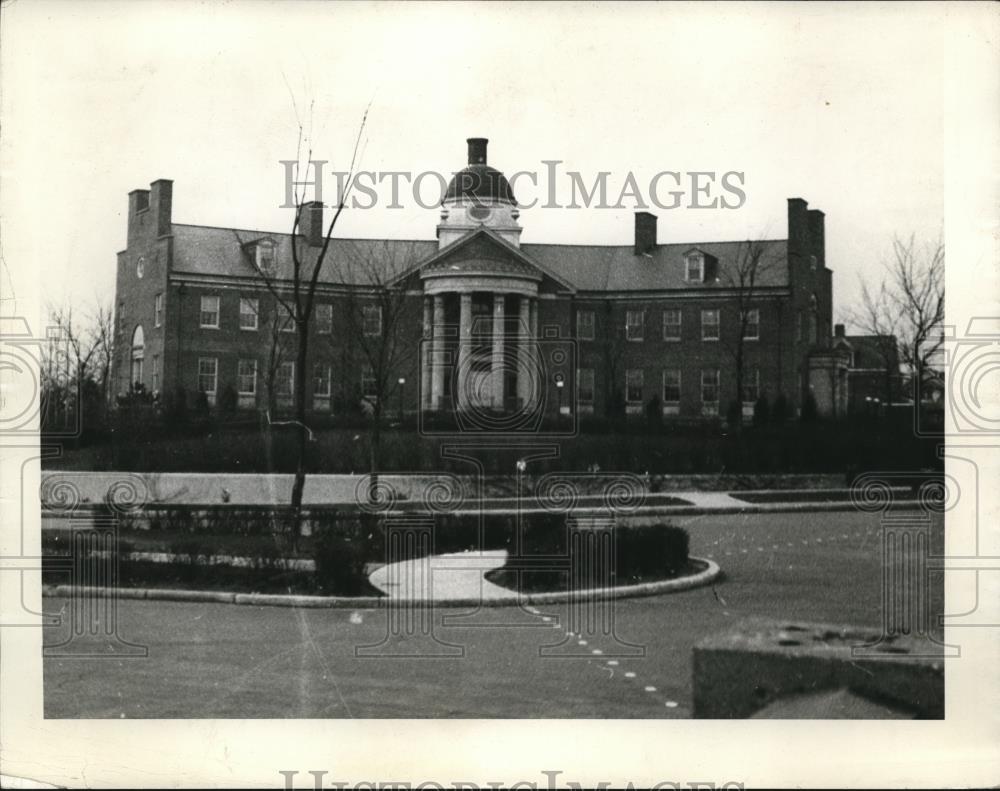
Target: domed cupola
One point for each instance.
(479, 182)
(478, 196)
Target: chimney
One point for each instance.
(798, 230)
(477, 150)
(311, 223)
(138, 200)
(645, 232)
(161, 198)
(817, 234)
(838, 330)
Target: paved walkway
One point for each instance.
(457, 575)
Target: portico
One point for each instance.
(480, 335)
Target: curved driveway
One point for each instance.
(218, 660)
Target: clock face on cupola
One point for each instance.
(478, 196)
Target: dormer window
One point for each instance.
(694, 268)
(264, 253)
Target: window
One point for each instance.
(633, 385)
(246, 377)
(321, 380)
(158, 310)
(585, 386)
(671, 386)
(710, 391)
(249, 313)
(138, 353)
(208, 371)
(372, 320)
(286, 318)
(140, 267)
(369, 385)
(710, 325)
(672, 324)
(751, 328)
(694, 270)
(324, 319)
(751, 386)
(265, 256)
(156, 373)
(633, 324)
(121, 318)
(813, 308)
(284, 382)
(210, 312)
(585, 325)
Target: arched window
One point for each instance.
(138, 352)
(813, 310)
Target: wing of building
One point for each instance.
(475, 320)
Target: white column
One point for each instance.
(497, 367)
(463, 384)
(437, 353)
(426, 355)
(524, 357)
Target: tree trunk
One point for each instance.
(300, 417)
(374, 448)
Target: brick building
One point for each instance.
(647, 325)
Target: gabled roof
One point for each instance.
(209, 251)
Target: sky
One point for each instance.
(839, 105)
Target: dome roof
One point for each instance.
(478, 181)
(481, 183)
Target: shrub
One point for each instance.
(228, 400)
(761, 411)
(734, 414)
(779, 414)
(650, 552)
(809, 412)
(201, 403)
(654, 412)
(341, 564)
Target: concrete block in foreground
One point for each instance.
(770, 668)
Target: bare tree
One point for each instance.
(914, 281)
(749, 267)
(383, 324)
(79, 356)
(877, 318)
(295, 292)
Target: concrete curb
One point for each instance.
(739, 507)
(699, 579)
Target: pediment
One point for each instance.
(483, 252)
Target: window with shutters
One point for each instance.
(585, 325)
(751, 325)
